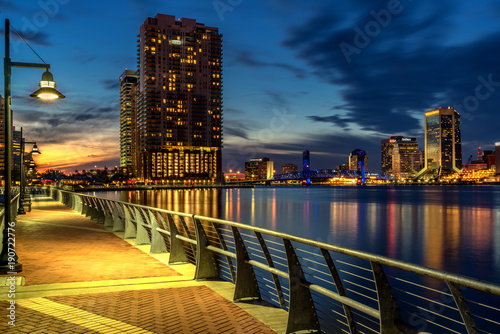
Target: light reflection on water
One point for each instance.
(452, 228)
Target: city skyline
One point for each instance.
(296, 76)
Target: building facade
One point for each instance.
(259, 169)
(128, 131)
(179, 100)
(16, 149)
(401, 157)
(443, 144)
(289, 168)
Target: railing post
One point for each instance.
(142, 236)
(157, 242)
(84, 205)
(340, 289)
(108, 215)
(94, 211)
(390, 316)
(118, 224)
(78, 203)
(270, 263)
(246, 283)
(101, 214)
(463, 308)
(206, 267)
(177, 251)
(301, 311)
(130, 230)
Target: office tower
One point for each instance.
(443, 146)
(128, 133)
(289, 168)
(179, 100)
(387, 146)
(358, 160)
(258, 169)
(401, 157)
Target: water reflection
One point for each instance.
(456, 229)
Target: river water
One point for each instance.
(451, 228)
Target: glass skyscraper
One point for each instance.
(178, 112)
(401, 157)
(443, 145)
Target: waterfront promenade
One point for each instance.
(79, 277)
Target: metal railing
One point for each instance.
(322, 286)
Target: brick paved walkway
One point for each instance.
(57, 246)
(50, 242)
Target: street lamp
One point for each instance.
(35, 150)
(9, 264)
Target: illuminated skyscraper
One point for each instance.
(443, 146)
(401, 157)
(179, 100)
(128, 93)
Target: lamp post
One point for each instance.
(35, 150)
(47, 91)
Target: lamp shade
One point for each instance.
(35, 150)
(47, 90)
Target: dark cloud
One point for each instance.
(236, 132)
(410, 66)
(111, 84)
(54, 122)
(337, 120)
(247, 59)
(33, 37)
(84, 117)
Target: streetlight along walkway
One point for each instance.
(80, 278)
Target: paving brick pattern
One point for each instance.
(176, 310)
(57, 245)
(29, 321)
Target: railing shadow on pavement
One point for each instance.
(323, 287)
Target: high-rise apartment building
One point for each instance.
(443, 145)
(128, 132)
(401, 157)
(179, 100)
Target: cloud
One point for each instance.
(84, 117)
(111, 84)
(31, 36)
(246, 58)
(231, 131)
(412, 65)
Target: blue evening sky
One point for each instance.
(328, 76)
